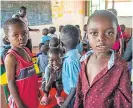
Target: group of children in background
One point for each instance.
(87, 70)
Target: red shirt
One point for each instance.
(110, 88)
(26, 82)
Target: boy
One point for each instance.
(21, 75)
(22, 15)
(71, 65)
(45, 36)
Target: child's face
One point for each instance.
(18, 35)
(22, 13)
(55, 60)
(101, 34)
(44, 48)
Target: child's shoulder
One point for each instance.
(120, 61)
(10, 58)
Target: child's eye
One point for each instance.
(109, 33)
(94, 33)
(50, 60)
(25, 33)
(16, 35)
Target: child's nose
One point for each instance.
(54, 62)
(101, 37)
(21, 36)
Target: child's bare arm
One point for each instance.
(49, 84)
(69, 98)
(73, 69)
(36, 30)
(51, 78)
(10, 64)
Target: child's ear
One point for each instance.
(6, 39)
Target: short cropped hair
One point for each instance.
(45, 31)
(70, 36)
(55, 51)
(54, 42)
(104, 13)
(11, 21)
(52, 30)
(113, 11)
(22, 8)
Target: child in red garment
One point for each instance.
(21, 75)
(104, 80)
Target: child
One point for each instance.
(52, 31)
(86, 47)
(54, 42)
(71, 65)
(104, 80)
(21, 75)
(43, 58)
(45, 36)
(53, 76)
(79, 47)
(60, 28)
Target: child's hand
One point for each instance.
(53, 76)
(56, 68)
(50, 64)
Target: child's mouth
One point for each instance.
(24, 43)
(101, 47)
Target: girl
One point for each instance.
(104, 80)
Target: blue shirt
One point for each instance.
(45, 38)
(80, 47)
(42, 62)
(70, 70)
